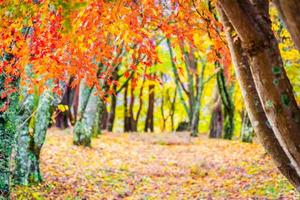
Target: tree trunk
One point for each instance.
(112, 113)
(23, 141)
(216, 121)
(133, 120)
(254, 107)
(87, 113)
(133, 124)
(172, 112)
(62, 118)
(272, 84)
(68, 117)
(198, 97)
(289, 12)
(7, 134)
(126, 113)
(177, 80)
(31, 138)
(149, 125)
(100, 111)
(104, 120)
(74, 106)
(228, 106)
(162, 110)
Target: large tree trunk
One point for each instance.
(32, 133)
(23, 141)
(149, 123)
(257, 116)
(31, 137)
(272, 84)
(7, 134)
(289, 11)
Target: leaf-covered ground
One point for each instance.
(155, 166)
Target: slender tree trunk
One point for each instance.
(197, 99)
(228, 107)
(133, 125)
(62, 118)
(149, 123)
(177, 80)
(162, 111)
(173, 107)
(254, 107)
(104, 120)
(126, 112)
(74, 106)
(112, 113)
(216, 121)
(289, 12)
(134, 119)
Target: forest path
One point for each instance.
(155, 166)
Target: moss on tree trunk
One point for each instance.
(30, 140)
(88, 107)
(7, 133)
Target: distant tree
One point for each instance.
(149, 122)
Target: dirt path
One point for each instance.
(124, 166)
